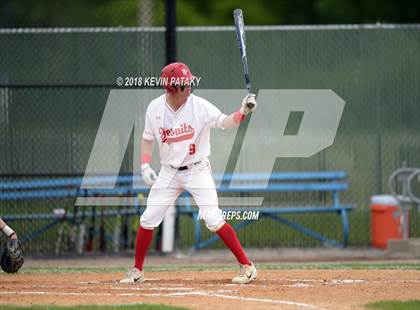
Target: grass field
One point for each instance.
(395, 305)
(224, 267)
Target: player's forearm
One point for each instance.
(146, 150)
(233, 120)
(9, 232)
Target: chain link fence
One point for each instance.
(374, 68)
(54, 85)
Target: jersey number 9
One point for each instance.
(192, 149)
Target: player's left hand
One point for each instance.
(149, 175)
(249, 104)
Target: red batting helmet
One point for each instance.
(176, 74)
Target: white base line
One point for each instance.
(264, 300)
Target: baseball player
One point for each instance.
(11, 259)
(180, 122)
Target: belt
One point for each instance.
(182, 168)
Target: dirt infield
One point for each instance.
(274, 289)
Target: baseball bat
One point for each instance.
(125, 232)
(240, 36)
(60, 234)
(102, 234)
(91, 231)
(73, 230)
(82, 234)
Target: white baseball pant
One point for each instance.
(170, 183)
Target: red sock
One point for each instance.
(228, 235)
(143, 240)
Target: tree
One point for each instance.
(106, 13)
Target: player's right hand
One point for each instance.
(149, 175)
(249, 104)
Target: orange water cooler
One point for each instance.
(386, 220)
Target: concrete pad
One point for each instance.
(414, 247)
(398, 246)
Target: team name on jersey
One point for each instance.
(176, 134)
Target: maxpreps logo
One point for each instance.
(177, 134)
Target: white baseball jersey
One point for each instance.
(183, 137)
